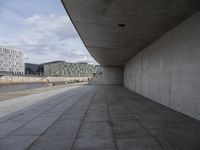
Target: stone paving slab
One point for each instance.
(35, 127)
(96, 115)
(32, 125)
(99, 118)
(138, 144)
(67, 128)
(16, 142)
(8, 126)
(42, 104)
(52, 143)
(15, 104)
(160, 127)
(95, 136)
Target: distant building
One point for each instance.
(34, 69)
(61, 68)
(54, 68)
(11, 61)
(79, 69)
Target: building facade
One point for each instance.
(54, 68)
(79, 69)
(61, 68)
(11, 61)
(34, 69)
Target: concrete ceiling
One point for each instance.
(116, 30)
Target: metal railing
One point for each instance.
(95, 74)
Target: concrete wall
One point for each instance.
(9, 79)
(67, 79)
(20, 79)
(109, 75)
(168, 71)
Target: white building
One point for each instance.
(11, 61)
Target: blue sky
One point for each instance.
(42, 29)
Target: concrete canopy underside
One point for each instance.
(115, 31)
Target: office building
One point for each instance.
(11, 61)
(34, 69)
(61, 68)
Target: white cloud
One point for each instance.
(49, 38)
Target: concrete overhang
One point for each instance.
(115, 30)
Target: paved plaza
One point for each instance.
(88, 117)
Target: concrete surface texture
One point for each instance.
(168, 70)
(116, 30)
(12, 105)
(108, 76)
(9, 79)
(161, 58)
(16, 92)
(98, 118)
(15, 79)
(67, 79)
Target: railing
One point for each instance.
(2, 73)
(98, 72)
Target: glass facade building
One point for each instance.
(61, 68)
(34, 69)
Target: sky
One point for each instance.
(42, 30)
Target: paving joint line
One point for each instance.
(132, 114)
(62, 94)
(39, 115)
(32, 108)
(83, 119)
(58, 118)
(108, 111)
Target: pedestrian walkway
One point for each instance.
(98, 118)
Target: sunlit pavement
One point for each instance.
(23, 92)
(96, 118)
